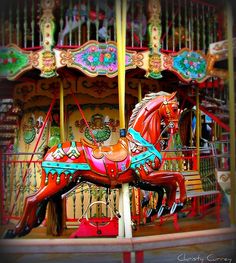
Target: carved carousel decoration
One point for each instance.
(134, 159)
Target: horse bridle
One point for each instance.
(171, 121)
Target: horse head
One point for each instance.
(154, 109)
(169, 112)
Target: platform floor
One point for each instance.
(218, 252)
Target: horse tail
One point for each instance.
(45, 150)
(56, 216)
(56, 210)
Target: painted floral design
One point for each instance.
(97, 58)
(191, 65)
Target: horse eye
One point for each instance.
(175, 108)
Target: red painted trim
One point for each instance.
(126, 257)
(32, 48)
(139, 256)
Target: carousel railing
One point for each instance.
(191, 24)
(185, 23)
(14, 167)
(221, 150)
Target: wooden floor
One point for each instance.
(185, 224)
(218, 251)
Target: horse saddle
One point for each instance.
(108, 160)
(116, 153)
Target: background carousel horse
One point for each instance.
(105, 16)
(135, 159)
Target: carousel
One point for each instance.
(115, 115)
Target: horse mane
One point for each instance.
(143, 102)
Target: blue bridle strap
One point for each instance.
(151, 148)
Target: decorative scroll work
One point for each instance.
(99, 126)
(94, 58)
(188, 65)
(69, 163)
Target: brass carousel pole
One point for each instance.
(57, 223)
(231, 114)
(62, 138)
(125, 229)
(198, 127)
(62, 118)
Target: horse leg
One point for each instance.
(29, 211)
(165, 177)
(29, 218)
(171, 194)
(169, 206)
(169, 179)
(35, 204)
(182, 189)
(160, 191)
(155, 188)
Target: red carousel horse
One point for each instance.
(135, 159)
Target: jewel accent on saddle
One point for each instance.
(144, 157)
(59, 153)
(73, 152)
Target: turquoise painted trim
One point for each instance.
(67, 168)
(141, 159)
(151, 148)
(144, 157)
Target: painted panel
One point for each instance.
(14, 61)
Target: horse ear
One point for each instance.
(172, 95)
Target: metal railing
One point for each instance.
(184, 23)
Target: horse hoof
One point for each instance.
(151, 213)
(10, 233)
(176, 207)
(173, 208)
(160, 211)
(25, 231)
(179, 207)
(164, 210)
